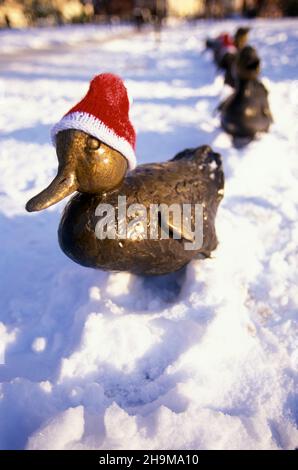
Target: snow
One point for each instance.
(203, 359)
(20, 40)
(39, 344)
(62, 430)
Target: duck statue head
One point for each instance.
(95, 144)
(86, 164)
(241, 37)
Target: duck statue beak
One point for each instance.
(64, 184)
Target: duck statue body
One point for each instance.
(97, 160)
(246, 112)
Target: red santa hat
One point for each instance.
(104, 114)
(226, 40)
(226, 45)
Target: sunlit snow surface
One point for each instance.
(206, 359)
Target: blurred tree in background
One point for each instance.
(22, 13)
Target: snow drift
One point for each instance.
(203, 359)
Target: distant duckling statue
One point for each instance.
(241, 37)
(240, 41)
(246, 112)
(222, 46)
(225, 49)
(95, 144)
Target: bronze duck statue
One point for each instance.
(246, 112)
(225, 49)
(95, 150)
(240, 41)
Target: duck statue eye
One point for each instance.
(93, 144)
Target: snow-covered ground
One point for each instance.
(20, 40)
(207, 359)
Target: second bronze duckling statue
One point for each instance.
(240, 41)
(225, 49)
(95, 148)
(246, 112)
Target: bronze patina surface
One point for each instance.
(98, 173)
(247, 111)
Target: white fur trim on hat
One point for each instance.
(91, 125)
